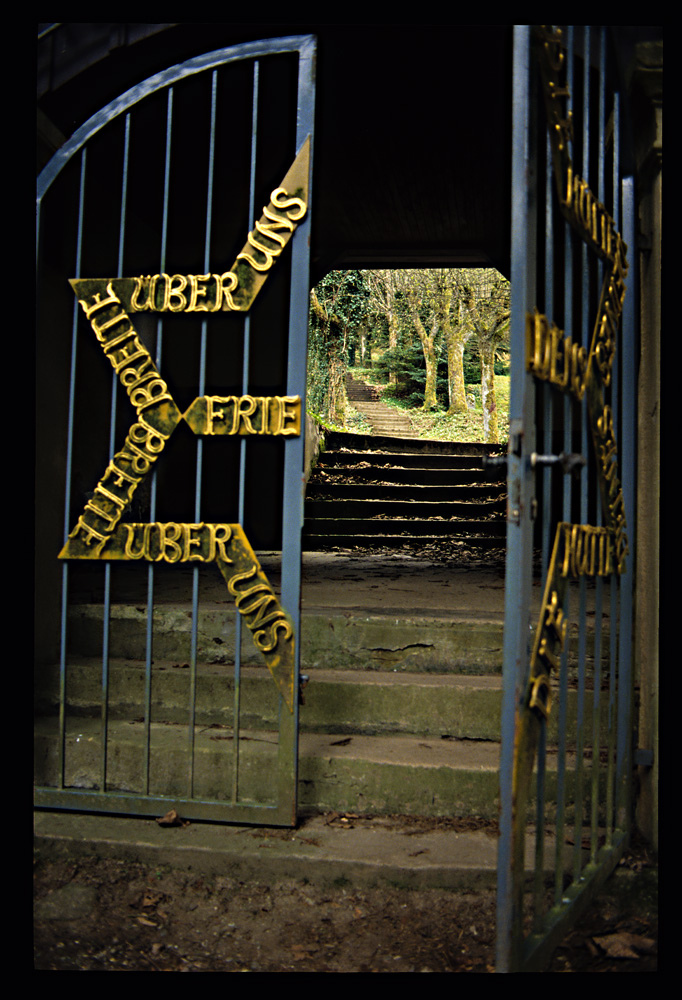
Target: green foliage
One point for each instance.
(338, 309)
(472, 363)
(406, 367)
(350, 309)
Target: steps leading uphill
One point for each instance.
(370, 491)
(384, 420)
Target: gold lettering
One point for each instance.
(121, 481)
(238, 577)
(189, 542)
(149, 394)
(269, 255)
(264, 401)
(260, 606)
(130, 352)
(280, 199)
(171, 551)
(220, 535)
(226, 284)
(553, 357)
(128, 550)
(245, 407)
(540, 695)
(90, 533)
(555, 619)
(141, 283)
(100, 328)
(177, 285)
(267, 642)
(98, 302)
(291, 412)
(197, 292)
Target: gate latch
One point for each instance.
(570, 463)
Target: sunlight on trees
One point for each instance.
(410, 322)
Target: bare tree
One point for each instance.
(486, 298)
(426, 299)
(382, 299)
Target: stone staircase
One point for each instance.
(401, 713)
(385, 421)
(373, 492)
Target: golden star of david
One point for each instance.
(99, 532)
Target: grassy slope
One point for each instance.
(437, 425)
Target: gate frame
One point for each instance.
(514, 952)
(285, 811)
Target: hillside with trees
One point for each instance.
(436, 340)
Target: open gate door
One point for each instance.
(566, 727)
(173, 263)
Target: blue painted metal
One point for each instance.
(283, 810)
(591, 799)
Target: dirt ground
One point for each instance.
(104, 915)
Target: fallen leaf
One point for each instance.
(625, 945)
(147, 923)
(172, 819)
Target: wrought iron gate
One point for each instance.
(566, 736)
(189, 453)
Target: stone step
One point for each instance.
(397, 475)
(330, 850)
(343, 440)
(354, 541)
(341, 702)
(454, 528)
(405, 460)
(329, 639)
(366, 509)
(321, 489)
(402, 497)
(361, 774)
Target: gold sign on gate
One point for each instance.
(578, 550)
(99, 532)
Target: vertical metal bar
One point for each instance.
(242, 444)
(519, 525)
(106, 617)
(567, 487)
(599, 584)
(584, 516)
(547, 394)
(561, 764)
(596, 720)
(149, 645)
(68, 473)
(547, 536)
(294, 448)
(628, 464)
(613, 645)
(194, 640)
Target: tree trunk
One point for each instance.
(490, 429)
(457, 399)
(430, 400)
(365, 352)
(337, 392)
